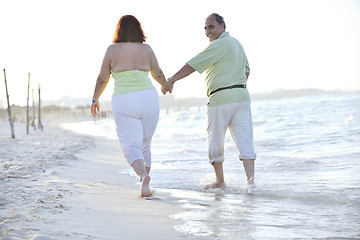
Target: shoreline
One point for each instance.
(108, 201)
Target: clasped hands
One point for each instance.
(169, 87)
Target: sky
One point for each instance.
(290, 44)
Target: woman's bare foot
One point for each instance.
(218, 185)
(145, 188)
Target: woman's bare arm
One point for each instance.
(101, 82)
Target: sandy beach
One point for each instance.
(61, 185)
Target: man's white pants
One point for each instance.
(236, 117)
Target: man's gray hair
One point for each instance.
(219, 19)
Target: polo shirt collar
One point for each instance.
(224, 34)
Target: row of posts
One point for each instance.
(27, 108)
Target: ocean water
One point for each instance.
(307, 170)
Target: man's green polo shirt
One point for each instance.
(225, 64)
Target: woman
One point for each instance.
(135, 101)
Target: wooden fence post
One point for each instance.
(39, 121)
(9, 108)
(33, 103)
(27, 107)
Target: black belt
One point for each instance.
(229, 87)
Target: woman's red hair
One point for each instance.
(128, 29)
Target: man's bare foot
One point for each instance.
(145, 188)
(217, 185)
(251, 180)
(251, 188)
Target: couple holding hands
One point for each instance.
(135, 101)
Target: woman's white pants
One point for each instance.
(136, 115)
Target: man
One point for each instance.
(226, 67)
